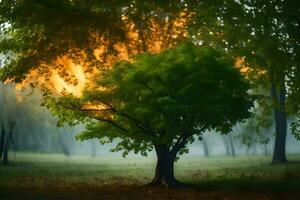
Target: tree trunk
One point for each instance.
(266, 150)
(93, 148)
(164, 172)
(205, 147)
(8, 139)
(63, 144)
(254, 152)
(279, 155)
(226, 145)
(5, 156)
(2, 140)
(231, 144)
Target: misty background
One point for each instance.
(35, 130)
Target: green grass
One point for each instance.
(241, 174)
(47, 167)
(218, 173)
(140, 169)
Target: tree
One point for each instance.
(293, 82)
(205, 146)
(160, 101)
(258, 129)
(34, 34)
(228, 142)
(26, 126)
(7, 122)
(6, 140)
(266, 35)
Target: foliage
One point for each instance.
(264, 35)
(263, 32)
(163, 98)
(257, 129)
(35, 33)
(294, 99)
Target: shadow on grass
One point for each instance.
(248, 185)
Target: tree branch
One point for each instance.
(148, 87)
(203, 128)
(169, 33)
(87, 112)
(138, 124)
(111, 122)
(179, 144)
(95, 110)
(182, 140)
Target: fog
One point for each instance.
(35, 130)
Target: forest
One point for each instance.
(131, 99)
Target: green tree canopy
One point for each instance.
(162, 101)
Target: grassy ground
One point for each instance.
(42, 176)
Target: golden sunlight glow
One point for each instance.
(73, 81)
(68, 77)
(246, 70)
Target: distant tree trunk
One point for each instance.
(62, 142)
(266, 150)
(254, 152)
(164, 172)
(2, 139)
(226, 145)
(248, 150)
(5, 156)
(279, 155)
(93, 148)
(7, 141)
(64, 148)
(205, 147)
(231, 144)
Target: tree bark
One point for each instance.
(279, 155)
(164, 172)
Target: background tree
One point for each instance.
(160, 101)
(229, 145)
(34, 128)
(259, 128)
(293, 84)
(205, 146)
(265, 35)
(7, 122)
